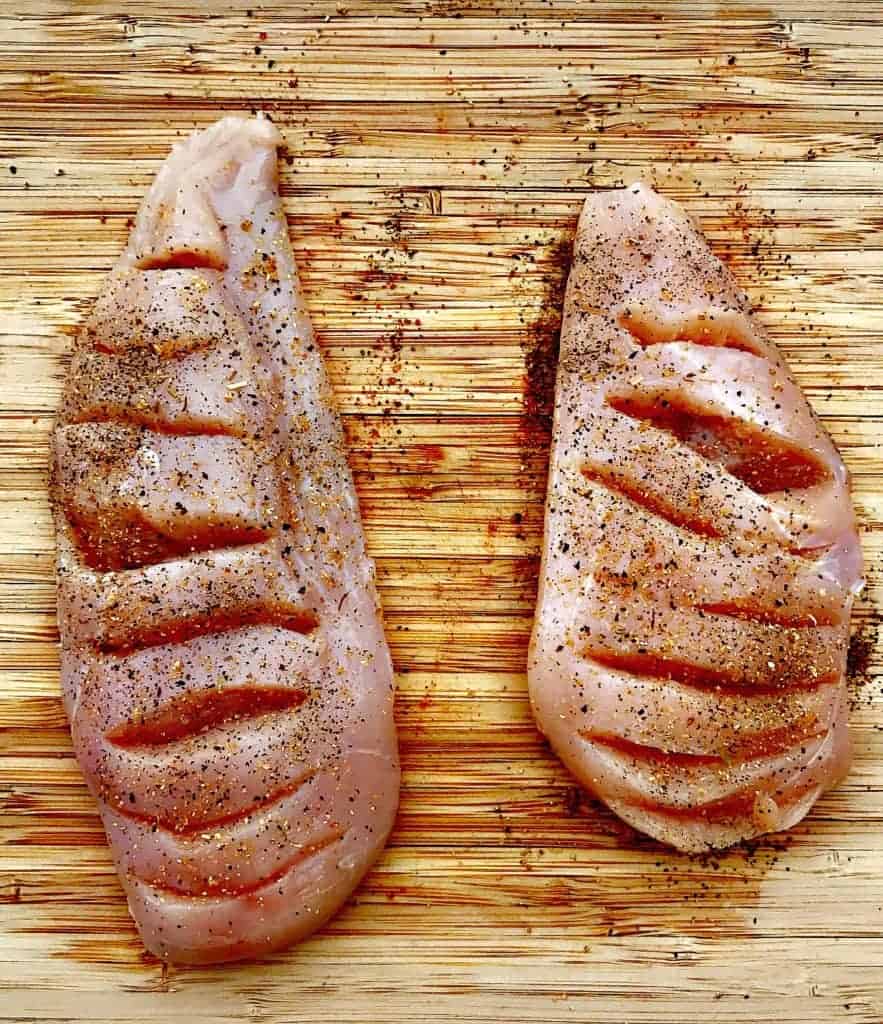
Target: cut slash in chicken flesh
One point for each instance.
(224, 666)
(700, 557)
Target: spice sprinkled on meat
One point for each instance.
(700, 556)
(224, 666)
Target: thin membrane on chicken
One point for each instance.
(700, 556)
(224, 666)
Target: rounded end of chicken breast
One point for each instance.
(316, 880)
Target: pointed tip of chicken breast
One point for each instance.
(180, 223)
(700, 555)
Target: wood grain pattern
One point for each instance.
(437, 157)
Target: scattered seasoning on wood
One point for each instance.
(860, 655)
(541, 353)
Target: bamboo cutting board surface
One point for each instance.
(437, 156)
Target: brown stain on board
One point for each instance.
(694, 895)
(863, 646)
(541, 348)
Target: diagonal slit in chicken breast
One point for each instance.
(700, 556)
(224, 667)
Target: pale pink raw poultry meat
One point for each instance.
(700, 555)
(224, 666)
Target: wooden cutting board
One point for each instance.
(437, 157)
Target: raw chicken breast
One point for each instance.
(700, 555)
(223, 662)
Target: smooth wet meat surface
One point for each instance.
(224, 666)
(700, 555)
